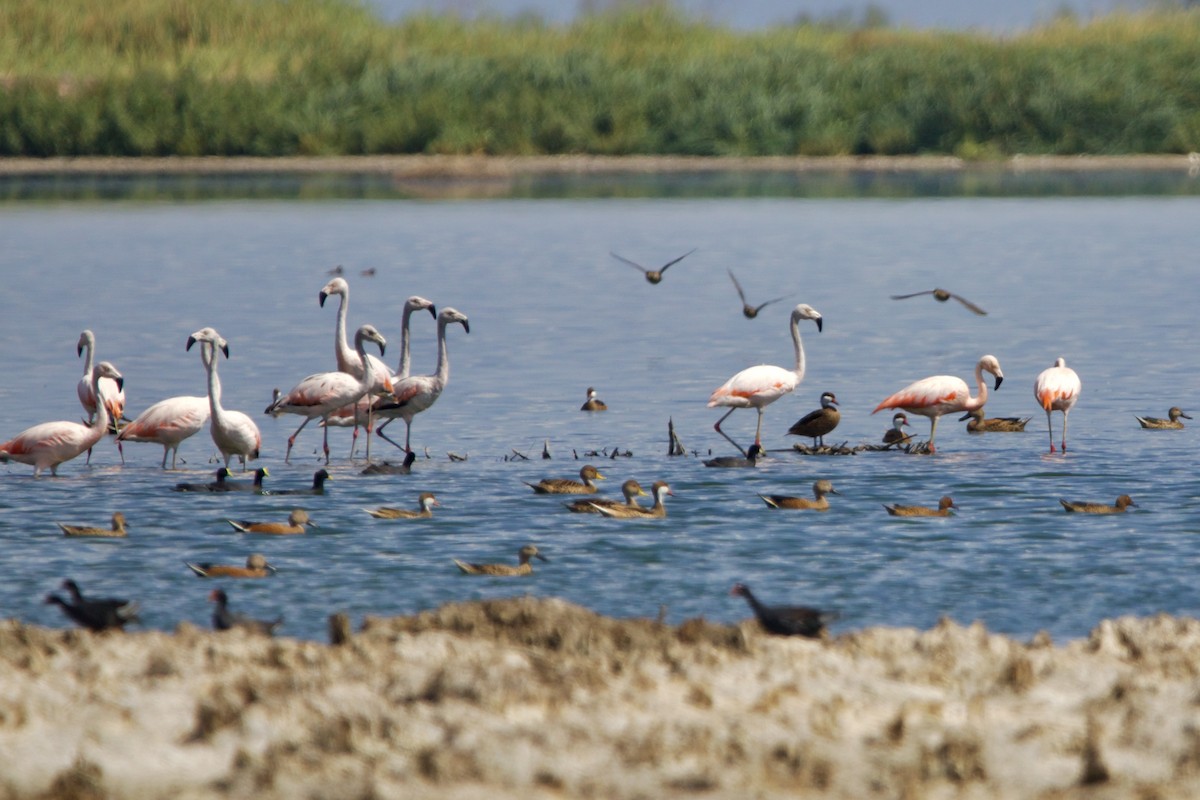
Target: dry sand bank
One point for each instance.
(536, 698)
(415, 167)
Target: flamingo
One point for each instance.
(758, 387)
(1056, 389)
(321, 394)
(51, 443)
(350, 415)
(87, 395)
(168, 422)
(234, 433)
(416, 393)
(944, 394)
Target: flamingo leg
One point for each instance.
(717, 428)
(1064, 435)
(370, 419)
(1050, 430)
(932, 431)
(387, 438)
(121, 450)
(325, 443)
(758, 428)
(291, 442)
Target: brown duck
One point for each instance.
(593, 403)
(589, 474)
(786, 620)
(425, 503)
(749, 311)
(944, 509)
(820, 489)
(523, 567)
(979, 424)
(896, 434)
(631, 489)
(117, 529)
(1171, 423)
(652, 275)
(816, 424)
(1123, 502)
(660, 490)
(297, 520)
(941, 295)
(256, 567)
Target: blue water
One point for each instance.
(1109, 282)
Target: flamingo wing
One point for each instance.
(754, 387)
(171, 420)
(939, 393)
(1057, 388)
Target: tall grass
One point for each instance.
(284, 77)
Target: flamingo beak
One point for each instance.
(321, 299)
(819, 324)
(999, 380)
(191, 341)
(965, 417)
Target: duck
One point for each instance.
(216, 485)
(297, 520)
(786, 620)
(318, 485)
(943, 509)
(255, 486)
(820, 489)
(223, 619)
(1123, 502)
(895, 434)
(652, 275)
(978, 424)
(753, 454)
(1171, 423)
(256, 567)
(523, 567)
(816, 424)
(593, 403)
(631, 489)
(660, 490)
(426, 502)
(588, 474)
(941, 295)
(117, 529)
(387, 468)
(749, 311)
(95, 614)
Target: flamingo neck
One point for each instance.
(88, 347)
(100, 422)
(799, 349)
(214, 383)
(405, 360)
(974, 403)
(360, 347)
(342, 351)
(443, 360)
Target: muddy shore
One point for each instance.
(528, 698)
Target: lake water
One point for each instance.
(1099, 269)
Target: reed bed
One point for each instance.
(325, 77)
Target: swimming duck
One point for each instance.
(593, 403)
(943, 509)
(297, 520)
(1172, 422)
(1123, 502)
(426, 502)
(523, 568)
(117, 529)
(96, 614)
(256, 567)
(660, 490)
(216, 485)
(941, 295)
(978, 424)
(820, 503)
(318, 485)
(786, 620)
(652, 275)
(255, 486)
(387, 468)
(631, 489)
(589, 474)
(894, 434)
(223, 619)
(753, 453)
(816, 424)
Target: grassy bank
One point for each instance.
(319, 77)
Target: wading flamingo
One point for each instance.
(416, 393)
(168, 422)
(87, 395)
(758, 387)
(321, 394)
(944, 394)
(233, 432)
(1056, 389)
(51, 443)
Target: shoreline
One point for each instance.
(532, 698)
(437, 167)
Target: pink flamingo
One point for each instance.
(416, 393)
(352, 414)
(169, 422)
(321, 394)
(233, 432)
(1056, 389)
(51, 443)
(87, 394)
(758, 387)
(944, 394)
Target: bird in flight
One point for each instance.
(941, 295)
(748, 310)
(652, 275)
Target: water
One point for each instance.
(1108, 281)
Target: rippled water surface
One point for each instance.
(1109, 282)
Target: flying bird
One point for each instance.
(941, 295)
(652, 275)
(749, 311)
